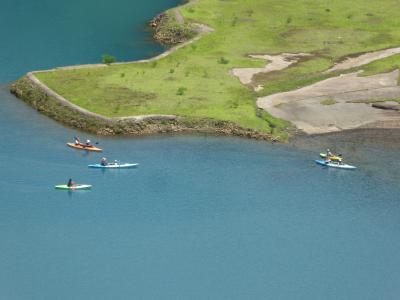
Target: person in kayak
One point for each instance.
(77, 141)
(104, 162)
(70, 183)
(88, 144)
(328, 156)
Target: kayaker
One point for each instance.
(104, 162)
(70, 183)
(88, 143)
(77, 141)
(328, 156)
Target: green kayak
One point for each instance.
(74, 187)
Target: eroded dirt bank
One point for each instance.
(337, 103)
(342, 102)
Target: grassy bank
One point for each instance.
(34, 95)
(195, 81)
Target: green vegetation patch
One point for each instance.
(328, 102)
(305, 72)
(195, 81)
(385, 65)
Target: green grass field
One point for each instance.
(195, 80)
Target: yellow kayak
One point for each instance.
(333, 158)
(84, 147)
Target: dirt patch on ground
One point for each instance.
(364, 59)
(303, 107)
(276, 63)
(203, 28)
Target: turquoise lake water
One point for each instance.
(42, 34)
(202, 217)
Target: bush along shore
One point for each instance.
(168, 30)
(47, 102)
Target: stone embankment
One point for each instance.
(64, 102)
(45, 100)
(170, 27)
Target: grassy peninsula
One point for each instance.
(196, 82)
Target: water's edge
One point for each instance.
(31, 90)
(34, 92)
(65, 112)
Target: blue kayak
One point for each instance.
(113, 166)
(333, 164)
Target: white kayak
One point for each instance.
(335, 165)
(74, 187)
(113, 166)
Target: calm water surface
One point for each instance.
(201, 218)
(42, 34)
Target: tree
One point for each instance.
(108, 59)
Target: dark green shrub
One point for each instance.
(181, 91)
(234, 21)
(223, 61)
(108, 59)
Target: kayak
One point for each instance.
(113, 166)
(72, 188)
(335, 165)
(334, 158)
(83, 147)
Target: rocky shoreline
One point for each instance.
(171, 29)
(46, 102)
(43, 99)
